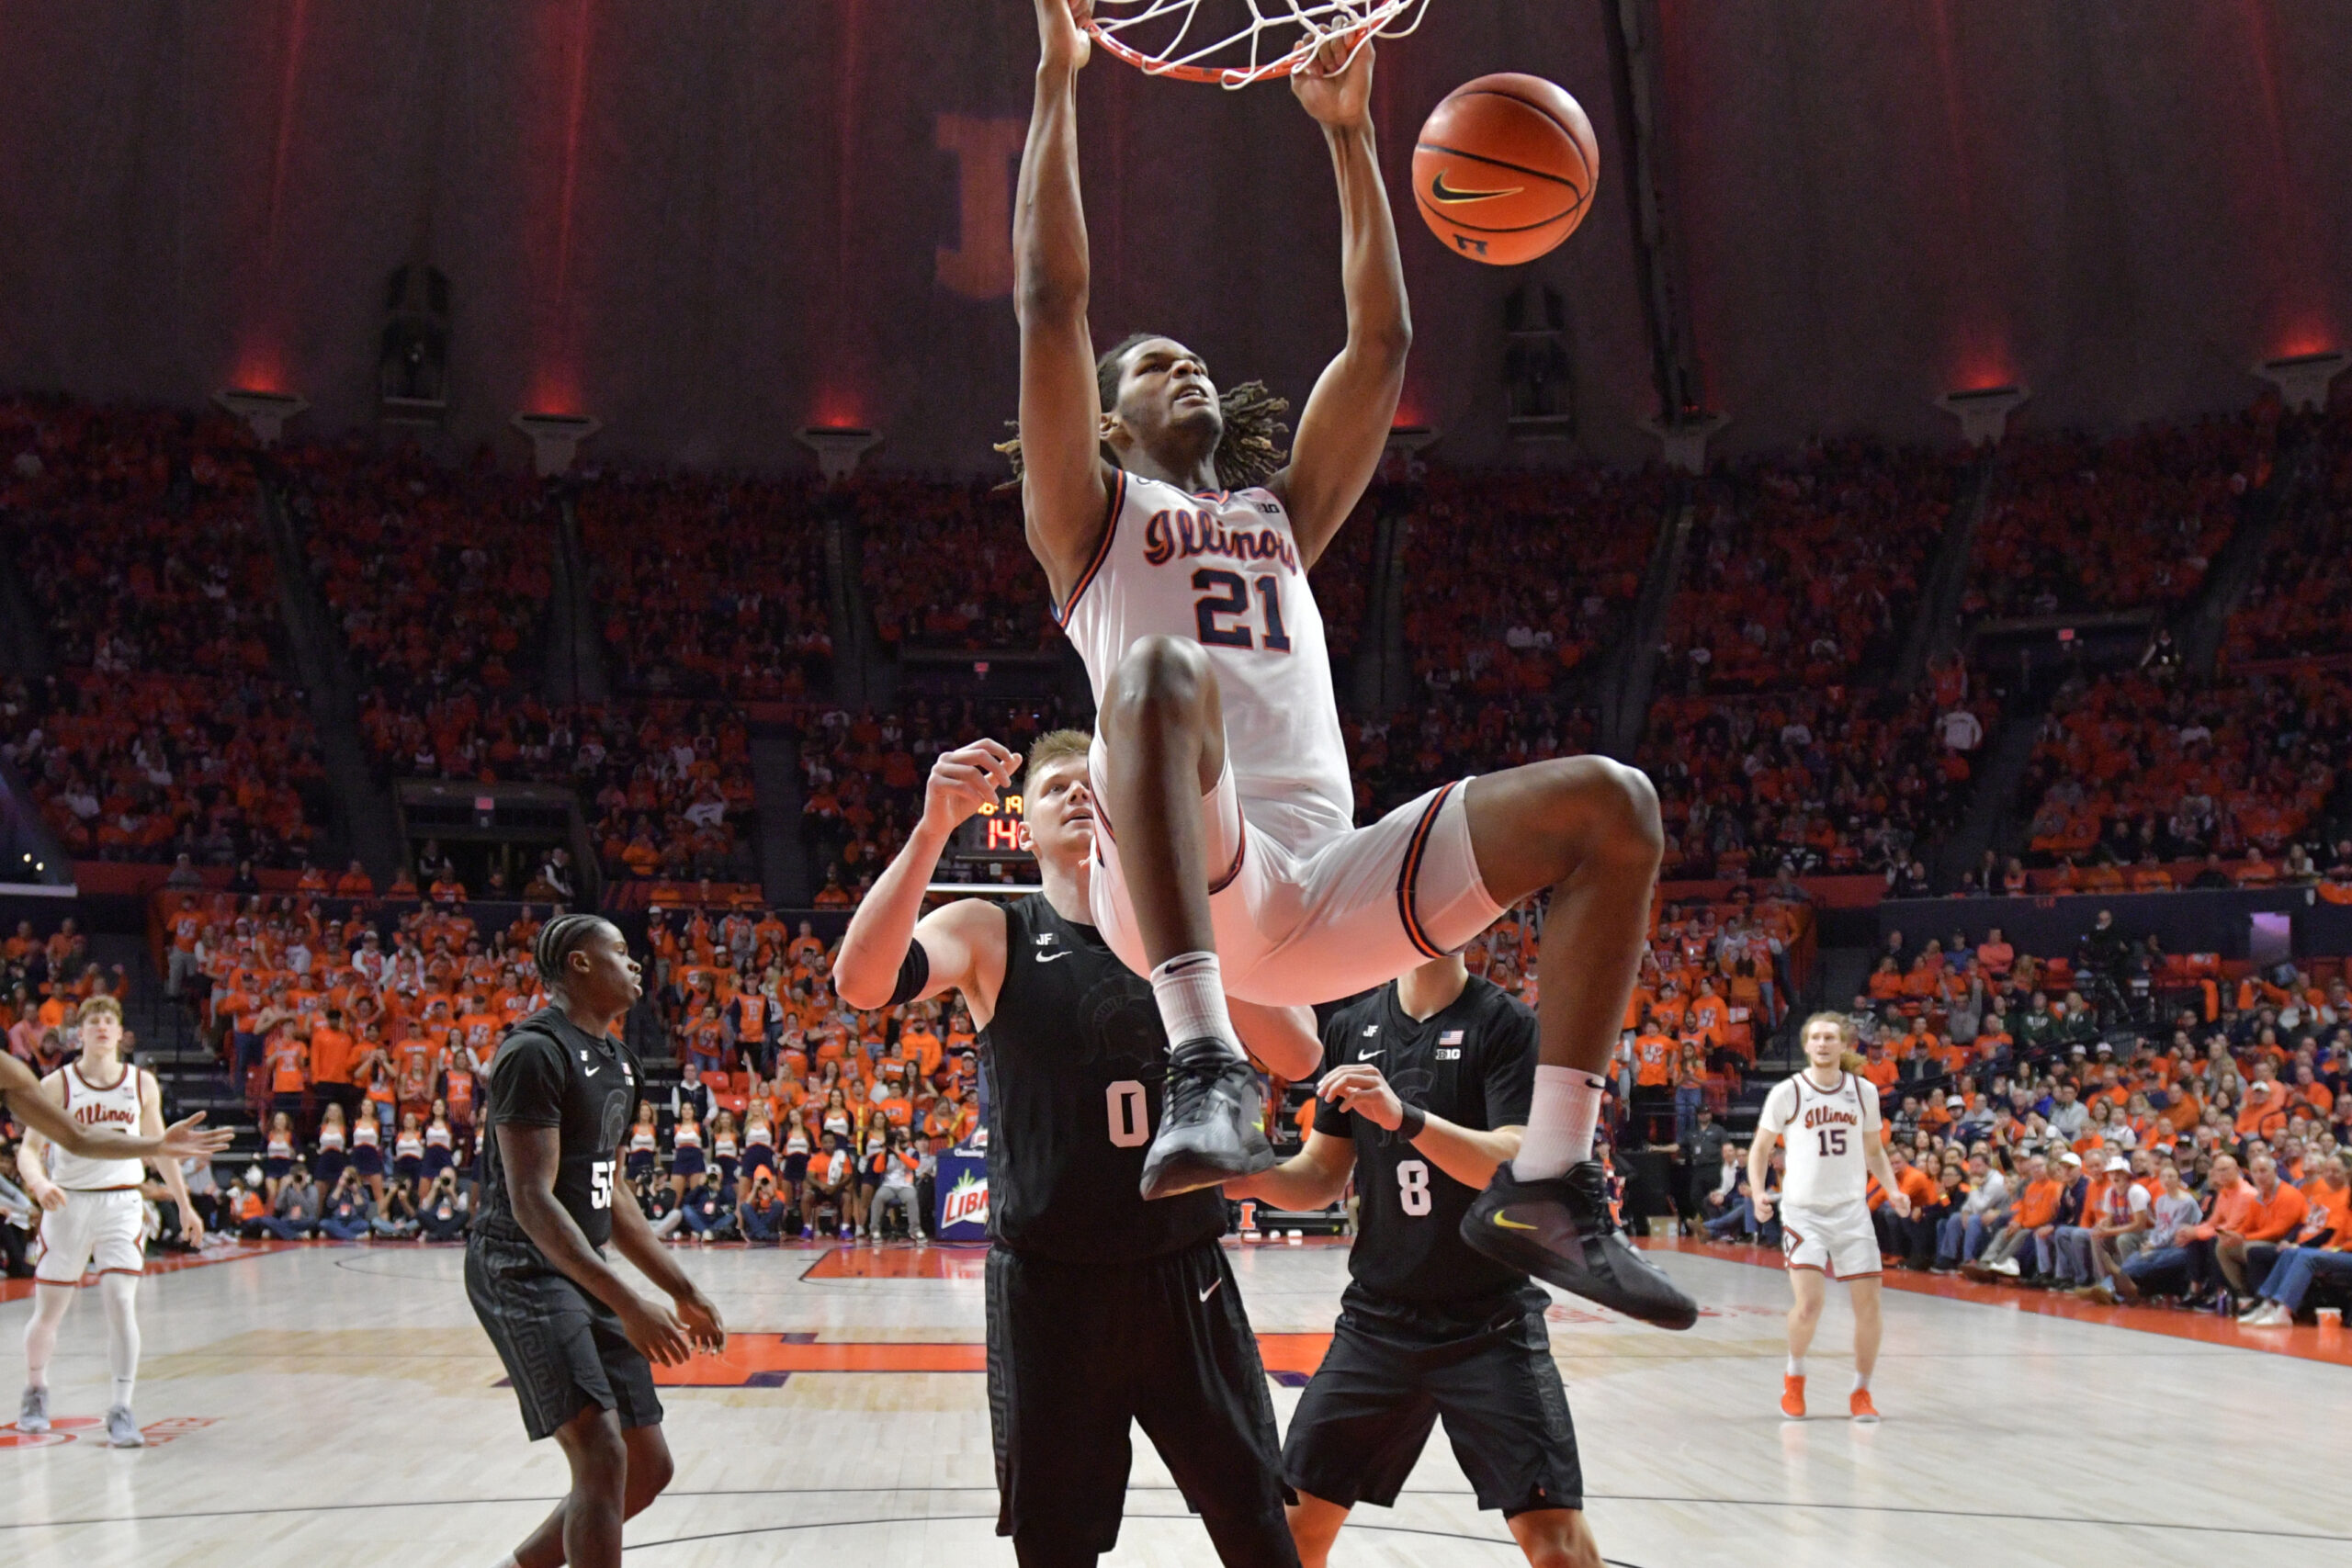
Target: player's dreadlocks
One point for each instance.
(1246, 454)
(557, 940)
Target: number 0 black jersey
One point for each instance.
(551, 1073)
(1473, 1063)
(1076, 1057)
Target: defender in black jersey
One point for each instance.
(575, 1339)
(1103, 1310)
(1424, 1091)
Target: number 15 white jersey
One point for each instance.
(1222, 569)
(1824, 1131)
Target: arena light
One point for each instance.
(264, 413)
(556, 439)
(839, 448)
(2302, 380)
(1983, 411)
(1684, 440)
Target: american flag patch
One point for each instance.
(1450, 1037)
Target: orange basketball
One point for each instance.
(1505, 168)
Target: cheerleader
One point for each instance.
(837, 1119)
(368, 1154)
(333, 1155)
(759, 1136)
(876, 1155)
(644, 1148)
(726, 1148)
(440, 1142)
(408, 1152)
(277, 1156)
(796, 1160)
(685, 1151)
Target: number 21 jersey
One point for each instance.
(1823, 1130)
(1222, 569)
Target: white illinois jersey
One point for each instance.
(1824, 1132)
(1222, 569)
(115, 1106)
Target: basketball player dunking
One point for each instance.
(1103, 1310)
(1424, 1092)
(1176, 544)
(1828, 1116)
(93, 1214)
(577, 1340)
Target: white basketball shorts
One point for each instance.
(1839, 1241)
(1298, 927)
(98, 1230)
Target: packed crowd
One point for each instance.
(709, 587)
(945, 566)
(2083, 524)
(2301, 603)
(1834, 780)
(2125, 1123)
(1805, 569)
(137, 534)
(2137, 771)
(438, 576)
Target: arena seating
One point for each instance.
(2301, 605)
(2081, 524)
(166, 729)
(2133, 773)
(1807, 571)
(945, 566)
(708, 587)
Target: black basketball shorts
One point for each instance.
(1077, 1352)
(563, 1350)
(1361, 1425)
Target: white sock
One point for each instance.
(49, 1303)
(1861, 1382)
(1796, 1366)
(1190, 989)
(1559, 1123)
(120, 1293)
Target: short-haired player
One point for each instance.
(1106, 1312)
(93, 1214)
(578, 1341)
(1176, 537)
(1828, 1117)
(1424, 1091)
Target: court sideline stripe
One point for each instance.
(1409, 1492)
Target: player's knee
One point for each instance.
(1592, 801)
(1162, 680)
(650, 1474)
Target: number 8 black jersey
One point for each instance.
(551, 1073)
(1075, 1057)
(1473, 1063)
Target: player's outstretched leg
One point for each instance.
(1588, 828)
(1162, 727)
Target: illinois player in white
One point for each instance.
(1828, 1116)
(1176, 540)
(92, 1213)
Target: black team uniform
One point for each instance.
(563, 1348)
(1428, 1328)
(1103, 1308)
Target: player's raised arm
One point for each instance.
(1063, 490)
(1344, 430)
(887, 958)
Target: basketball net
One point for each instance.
(1273, 37)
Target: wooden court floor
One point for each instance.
(336, 1405)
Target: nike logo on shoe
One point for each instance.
(1212, 1289)
(1510, 1225)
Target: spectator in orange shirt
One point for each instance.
(2277, 1212)
(1995, 954)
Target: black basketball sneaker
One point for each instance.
(1560, 1231)
(1214, 1126)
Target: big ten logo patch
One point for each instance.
(979, 264)
(67, 1428)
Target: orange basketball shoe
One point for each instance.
(1860, 1407)
(1792, 1396)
